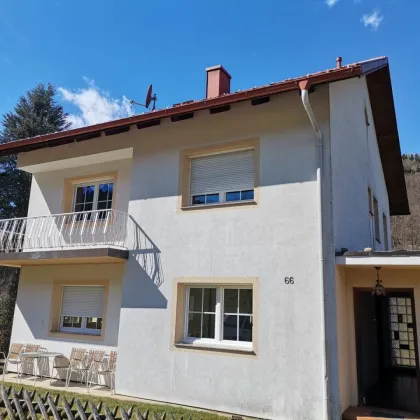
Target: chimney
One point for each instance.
(218, 81)
(339, 61)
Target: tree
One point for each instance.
(36, 113)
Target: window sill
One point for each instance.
(74, 336)
(222, 348)
(217, 205)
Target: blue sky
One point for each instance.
(99, 52)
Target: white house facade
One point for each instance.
(200, 242)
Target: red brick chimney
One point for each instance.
(218, 81)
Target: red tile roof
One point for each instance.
(380, 91)
(327, 76)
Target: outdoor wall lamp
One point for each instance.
(378, 289)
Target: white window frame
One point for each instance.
(222, 194)
(218, 341)
(222, 198)
(95, 183)
(82, 330)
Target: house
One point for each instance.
(219, 246)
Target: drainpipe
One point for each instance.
(304, 87)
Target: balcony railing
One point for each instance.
(88, 229)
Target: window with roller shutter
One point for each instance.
(82, 309)
(222, 178)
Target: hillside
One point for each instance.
(406, 229)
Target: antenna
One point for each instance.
(150, 97)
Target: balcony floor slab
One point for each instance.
(65, 256)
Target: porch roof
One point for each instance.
(396, 258)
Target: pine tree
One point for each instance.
(35, 114)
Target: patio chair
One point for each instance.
(14, 358)
(62, 364)
(28, 362)
(109, 371)
(82, 368)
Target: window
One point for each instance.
(93, 196)
(385, 229)
(82, 309)
(376, 216)
(367, 118)
(370, 201)
(222, 178)
(219, 315)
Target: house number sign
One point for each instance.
(289, 280)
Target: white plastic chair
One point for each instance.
(14, 358)
(109, 371)
(77, 363)
(83, 366)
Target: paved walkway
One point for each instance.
(57, 385)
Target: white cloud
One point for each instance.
(95, 105)
(373, 20)
(331, 3)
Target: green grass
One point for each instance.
(159, 409)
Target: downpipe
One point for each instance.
(304, 87)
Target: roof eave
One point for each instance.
(385, 120)
(93, 131)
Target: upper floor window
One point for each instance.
(376, 216)
(370, 201)
(385, 230)
(91, 196)
(222, 178)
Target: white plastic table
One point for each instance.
(38, 355)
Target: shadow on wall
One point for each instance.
(147, 255)
(139, 289)
(144, 274)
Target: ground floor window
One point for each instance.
(219, 315)
(82, 309)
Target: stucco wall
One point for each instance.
(32, 313)
(48, 187)
(275, 239)
(348, 279)
(343, 339)
(356, 164)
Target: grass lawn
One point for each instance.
(159, 409)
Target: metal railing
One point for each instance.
(86, 229)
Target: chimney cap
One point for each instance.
(218, 67)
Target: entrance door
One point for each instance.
(387, 356)
(367, 347)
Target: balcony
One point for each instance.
(99, 235)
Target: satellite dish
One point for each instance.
(150, 97)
